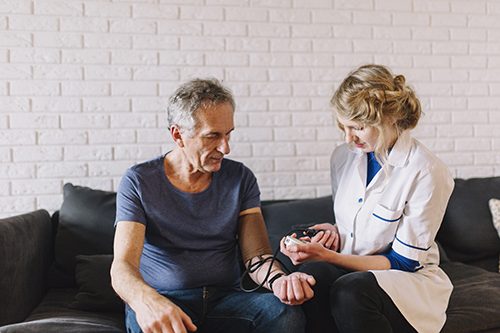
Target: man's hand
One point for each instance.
(160, 315)
(295, 288)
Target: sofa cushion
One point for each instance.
(467, 233)
(282, 217)
(85, 226)
(93, 279)
(475, 301)
(55, 315)
(25, 255)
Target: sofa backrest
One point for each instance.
(85, 227)
(26, 247)
(467, 233)
(283, 216)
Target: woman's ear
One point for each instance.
(176, 134)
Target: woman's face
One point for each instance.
(361, 136)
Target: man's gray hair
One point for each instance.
(193, 95)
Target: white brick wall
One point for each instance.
(83, 84)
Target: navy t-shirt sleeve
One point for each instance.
(128, 200)
(251, 193)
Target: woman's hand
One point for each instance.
(307, 251)
(328, 236)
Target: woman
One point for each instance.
(377, 267)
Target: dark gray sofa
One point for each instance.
(54, 270)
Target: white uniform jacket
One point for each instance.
(402, 207)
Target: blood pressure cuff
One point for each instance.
(253, 237)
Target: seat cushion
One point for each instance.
(54, 314)
(475, 301)
(93, 279)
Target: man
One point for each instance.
(179, 220)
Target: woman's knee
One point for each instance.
(324, 273)
(352, 291)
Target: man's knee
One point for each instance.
(281, 317)
(291, 319)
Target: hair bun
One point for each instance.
(400, 82)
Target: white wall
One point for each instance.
(83, 84)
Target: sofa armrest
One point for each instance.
(26, 253)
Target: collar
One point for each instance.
(401, 150)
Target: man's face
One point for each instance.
(207, 144)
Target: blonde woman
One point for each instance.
(377, 267)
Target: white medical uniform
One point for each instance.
(403, 206)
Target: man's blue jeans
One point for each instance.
(215, 310)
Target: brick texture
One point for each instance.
(83, 84)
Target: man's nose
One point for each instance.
(224, 146)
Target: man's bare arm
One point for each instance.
(154, 312)
(254, 243)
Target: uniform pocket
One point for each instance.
(383, 224)
(387, 215)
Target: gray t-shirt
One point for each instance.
(191, 238)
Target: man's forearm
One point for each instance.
(260, 274)
(129, 284)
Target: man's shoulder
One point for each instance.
(234, 166)
(149, 164)
(146, 168)
(235, 171)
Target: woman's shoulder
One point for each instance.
(421, 154)
(422, 158)
(343, 150)
(342, 155)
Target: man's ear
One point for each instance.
(176, 134)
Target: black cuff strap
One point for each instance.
(274, 278)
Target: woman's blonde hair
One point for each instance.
(372, 96)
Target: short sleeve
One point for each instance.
(129, 205)
(423, 213)
(250, 194)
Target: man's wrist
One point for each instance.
(273, 278)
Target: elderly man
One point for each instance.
(179, 220)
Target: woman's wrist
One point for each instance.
(332, 257)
